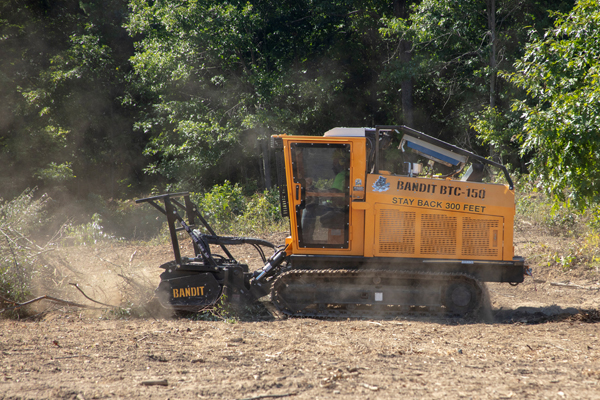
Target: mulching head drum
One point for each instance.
(189, 293)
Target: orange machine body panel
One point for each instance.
(435, 218)
(398, 216)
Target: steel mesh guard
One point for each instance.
(480, 237)
(438, 234)
(397, 231)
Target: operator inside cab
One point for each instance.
(341, 163)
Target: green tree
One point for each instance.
(560, 72)
(222, 76)
(459, 47)
(63, 75)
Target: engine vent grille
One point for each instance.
(480, 237)
(397, 231)
(436, 234)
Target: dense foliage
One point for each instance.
(124, 97)
(63, 76)
(221, 77)
(560, 72)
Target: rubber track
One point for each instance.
(370, 311)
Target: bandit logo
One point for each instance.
(381, 185)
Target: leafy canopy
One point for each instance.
(560, 74)
(217, 75)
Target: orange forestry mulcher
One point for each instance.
(383, 220)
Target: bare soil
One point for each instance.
(539, 341)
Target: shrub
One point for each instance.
(20, 218)
(262, 214)
(221, 206)
(228, 211)
(121, 218)
(87, 234)
(557, 219)
(578, 238)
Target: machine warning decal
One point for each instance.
(440, 205)
(381, 185)
(188, 292)
(358, 182)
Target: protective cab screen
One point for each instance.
(322, 170)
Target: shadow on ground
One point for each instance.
(539, 315)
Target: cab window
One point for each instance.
(322, 170)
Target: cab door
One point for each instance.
(321, 191)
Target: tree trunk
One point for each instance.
(406, 86)
(491, 13)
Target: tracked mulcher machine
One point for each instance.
(383, 220)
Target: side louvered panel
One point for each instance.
(401, 232)
(397, 232)
(438, 234)
(481, 237)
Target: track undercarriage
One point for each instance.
(359, 293)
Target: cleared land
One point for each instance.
(541, 341)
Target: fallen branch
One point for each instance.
(139, 287)
(89, 298)
(132, 283)
(571, 286)
(4, 299)
(266, 396)
(132, 255)
(109, 262)
(64, 357)
(49, 298)
(162, 382)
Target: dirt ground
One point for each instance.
(540, 341)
